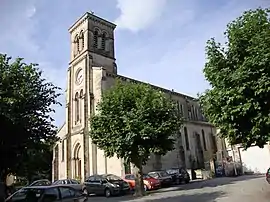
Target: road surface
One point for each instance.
(239, 189)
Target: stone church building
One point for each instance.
(92, 69)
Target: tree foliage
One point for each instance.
(239, 74)
(133, 121)
(36, 163)
(26, 101)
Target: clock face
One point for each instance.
(79, 77)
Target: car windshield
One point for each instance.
(153, 174)
(172, 171)
(146, 176)
(56, 182)
(61, 182)
(24, 195)
(40, 183)
(75, 182)
(112, 177)
(163, 174)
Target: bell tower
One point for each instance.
(94, 35)
(92, 45)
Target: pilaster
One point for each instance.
(86, 118)
(69, 125)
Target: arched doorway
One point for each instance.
(199, 152)
(77, 163)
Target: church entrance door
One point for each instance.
(77, 163)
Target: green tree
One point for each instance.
(133, 121)
(26, 101)
(239, 73)
(36, 163)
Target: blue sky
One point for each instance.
(157, 41)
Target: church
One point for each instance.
(92, 69)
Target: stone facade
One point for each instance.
(92, 69)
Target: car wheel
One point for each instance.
(107, 192)
(145, 187)
(178, 181)
(187, 181)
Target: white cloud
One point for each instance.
(179, 65)
(30, 12)
(139, 14)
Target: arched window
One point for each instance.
(81, 41)
(77, 107)
(186, 138)
(81, 103)
(81, 94)
(103, 40)
(204, 142)
(95, 43)
(76, 45)
(213, 142)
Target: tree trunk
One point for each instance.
(139, 185)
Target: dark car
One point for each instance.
(164, 178)
(53, 193)
(106, 184)
(179, 175)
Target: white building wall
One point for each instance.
(255, 159)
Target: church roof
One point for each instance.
(124, 78)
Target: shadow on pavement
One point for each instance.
(209, 183)
(203, 197)
(178, 197)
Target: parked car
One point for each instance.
(54, 193)
(179, 175)
(150, 183)
(107, 184)
(268, 175)
(73, 183)
(164, 178)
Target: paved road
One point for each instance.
(240, 189)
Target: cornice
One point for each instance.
(199, 123)
(78, 58)
(94, 18)
(78, 132)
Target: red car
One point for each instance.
(149, 182)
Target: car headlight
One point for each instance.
(115, 185)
